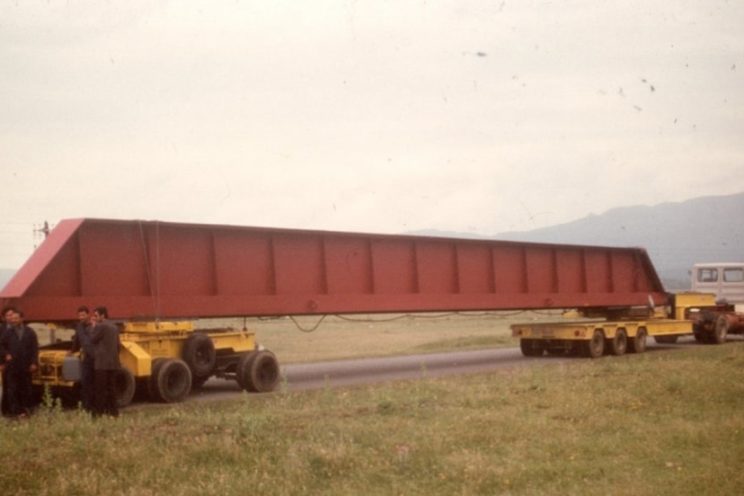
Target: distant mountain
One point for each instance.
(676, 235)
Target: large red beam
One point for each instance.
(150, 269)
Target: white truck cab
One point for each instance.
(725, 280)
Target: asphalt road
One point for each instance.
(341, 373)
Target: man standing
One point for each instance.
(105, 339)
(81, 342)
(4, 400)
(19, 348)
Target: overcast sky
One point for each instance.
(379, 116)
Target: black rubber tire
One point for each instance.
(258, 372)
(699, 332)
(199, 354)
(171, 380)
(531, 347)
(594, 348)
(638, 343)
(576, 349)
(151, 382)
(666, 339)
(125, 387)
(720, 331)
(619, 344)
(243, 370)
(557, 351)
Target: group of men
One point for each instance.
(97, 341)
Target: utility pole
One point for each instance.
(44, 229)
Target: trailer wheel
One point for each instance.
(595, 346)
(638, 343)
(171, 380)
(720, 331)
(531, 347)
(700, 335)
(557, 350)
(151, 382)
(125, 387)
(619, 344)
(258, 372)
(666, 339)
(199, 354)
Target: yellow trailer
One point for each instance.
(166, 360)
(626, 330)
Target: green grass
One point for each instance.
(358, 336)
(662, 423)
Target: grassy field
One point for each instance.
(340, 337)
(666, 422)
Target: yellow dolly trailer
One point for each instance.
(692, 314)
(166, 360)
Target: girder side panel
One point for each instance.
(298, 264)
(117, 251)
(623, 272)
(509, 269)
(540, 270)
(243, 263)
(348, 264)
(597, 271)
(436, 266)
(394, 267)
(475, 271)
(182, 262)
(569, 271)
(168, 270)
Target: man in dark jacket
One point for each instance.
(105, 339)
(81, 342)
(19, 348)
(4, 402)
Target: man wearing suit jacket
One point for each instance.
(19, 348)
(105, 339)
(4, 401)
(81, 342)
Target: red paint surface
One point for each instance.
(147, 269)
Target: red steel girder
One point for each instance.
(152, 269)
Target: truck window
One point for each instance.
(733, 275)
(707, 275)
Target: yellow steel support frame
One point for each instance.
(141, 343)
(584, 330)
(685, 304)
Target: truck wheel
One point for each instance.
(619, 344)
(720, 331)
(638, 343)
(699, 333)
(531, 347)
(258, 372)
(595, 346)
(125, 387)
(171, 380)
(666, 339)
(199, 354)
